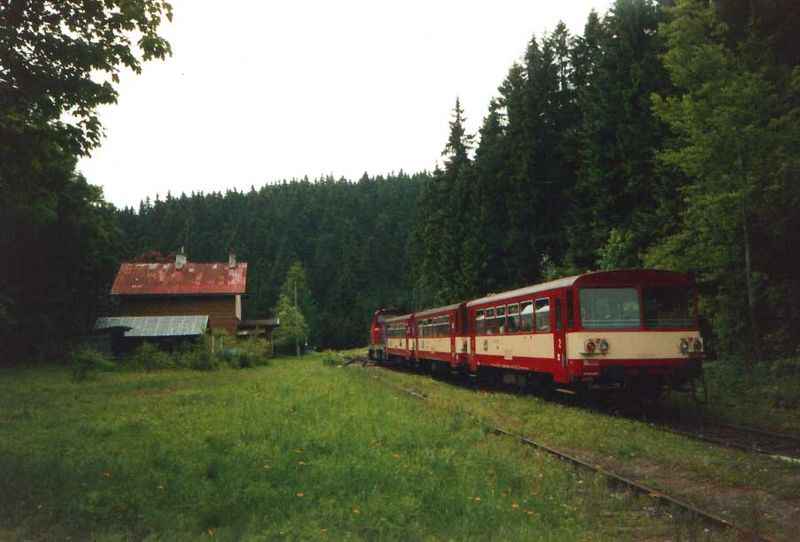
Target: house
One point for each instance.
(169, 302)
(183, 288)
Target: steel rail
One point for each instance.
(636, 486)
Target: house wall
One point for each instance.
(221, 310)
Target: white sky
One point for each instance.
(260, 91)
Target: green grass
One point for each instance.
(765, 395)
(701, 473)
(296, 450)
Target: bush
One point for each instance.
(331, 358)
(247, 353)
(85, 362)
(201, 359)
(149, 357)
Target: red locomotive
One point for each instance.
(632, 328)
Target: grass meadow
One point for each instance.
(294, 450)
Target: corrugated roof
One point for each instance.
(156, 326)
(193, 279)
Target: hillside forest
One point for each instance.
(665, 135)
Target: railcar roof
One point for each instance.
(558, 283)
(394, 319)
(427, 312)
(616, 276)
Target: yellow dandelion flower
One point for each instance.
(161, 487)
(515, 506)
(477, 498)
(301, 494)
(301, 462)
(356, 511)
(106, 474)
(529, 512)
(210, 531)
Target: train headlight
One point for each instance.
(684, 346)
(589, 346)
(603, 346)
(698, 345)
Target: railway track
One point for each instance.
(778, 445)
(705, 515)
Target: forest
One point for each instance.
(665, 135)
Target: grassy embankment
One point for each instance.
(749, 488)
(295, 450)
(759, 394)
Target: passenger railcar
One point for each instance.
(636, 328)
(400, 338)
(378, 333)
(441, 336)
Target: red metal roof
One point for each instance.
(193, 279)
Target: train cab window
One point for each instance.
(609, 308)
(668, 306)
(480, 323)
(526, 316)
(490, 322)
(513, 318)
(501, 320)
(542, 314)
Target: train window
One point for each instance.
(490, 322)
(480, 323)
(526, 316)
(513, 318)
(570, 311)
(443, 326)
(668, 306)
(542, 313)
(501, 319)
(609, 308)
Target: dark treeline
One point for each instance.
(350, 238)
(666, 134)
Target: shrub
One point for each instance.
(149, 357)
(201, 359)
(85, 362)
(331, 358)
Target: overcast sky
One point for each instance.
(260, 91)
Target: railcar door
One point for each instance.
(561, 372)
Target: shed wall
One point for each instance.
(221, 310)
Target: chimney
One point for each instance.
(231, 259)
(180, 259)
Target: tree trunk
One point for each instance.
(751, 299)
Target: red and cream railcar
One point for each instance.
(400, 338)
(627, 327)
(378, 331)
(441, 335)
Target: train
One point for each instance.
(622, 329)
